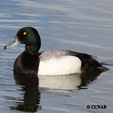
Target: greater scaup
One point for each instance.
(51, 62)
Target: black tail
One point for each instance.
(90, 64)
(102, 68)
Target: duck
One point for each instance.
(49, 62)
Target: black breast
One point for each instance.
(27, 63)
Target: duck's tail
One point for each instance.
(102, 68)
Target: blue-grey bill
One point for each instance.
(12, 44)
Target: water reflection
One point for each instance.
(31, 83)
(63, 82)
(87, 78)
(67, 82)
(30, 86)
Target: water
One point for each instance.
(79, 25)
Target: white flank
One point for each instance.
(60, 66)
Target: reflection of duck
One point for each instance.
(31, 96)
(54, 62)
(64, 82)
(67, 82)
(30, 85)
(87, 78)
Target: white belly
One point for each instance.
(60, 66)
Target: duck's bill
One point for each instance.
(12, 44)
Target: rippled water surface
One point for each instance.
(79, 25)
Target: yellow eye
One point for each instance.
(24, 33)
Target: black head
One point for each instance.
(28, 36)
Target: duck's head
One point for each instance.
(28, 36)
